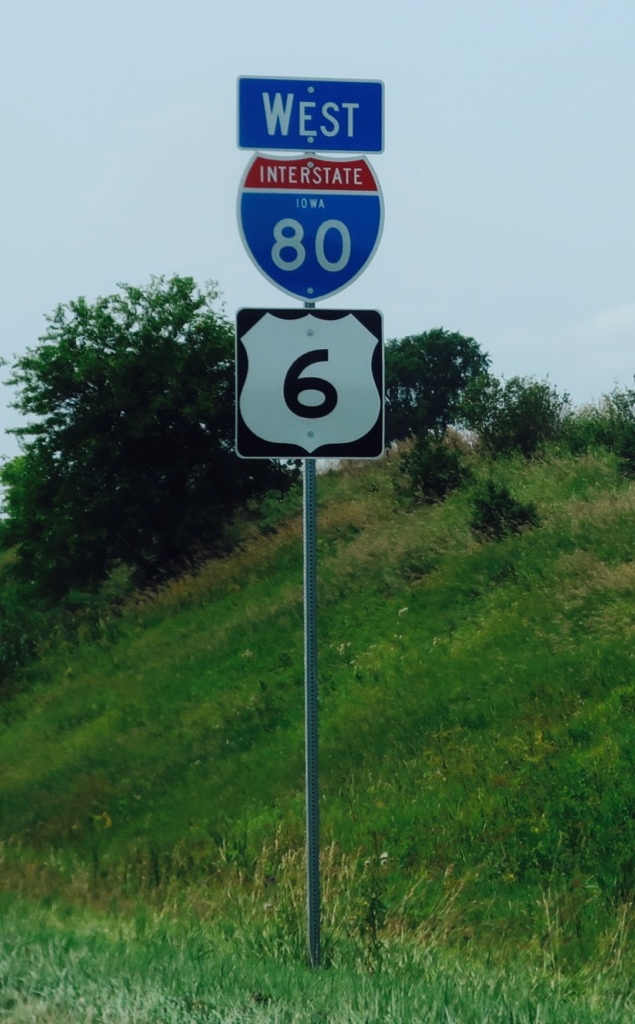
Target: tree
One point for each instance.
(520, 415)
(426, 375)
(128, 453)
(609, 425)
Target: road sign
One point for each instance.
(309, 383)
(308, 114)
(311, 225)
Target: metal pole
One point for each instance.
(311, 715)
(311, 710)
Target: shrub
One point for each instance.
(22, 625)
(496, 512)
(434, 467)
(518, 416)
(609, 425)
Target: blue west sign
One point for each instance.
(311, 114)
(310, 224)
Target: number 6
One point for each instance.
(294, 385)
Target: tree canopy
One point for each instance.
(426, 375)
(127, 455)
(518, 415)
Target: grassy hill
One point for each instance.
(477, 727)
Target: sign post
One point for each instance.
(311, 714)
(310, 384)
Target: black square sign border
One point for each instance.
(369, 446)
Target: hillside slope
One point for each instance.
(477, 715)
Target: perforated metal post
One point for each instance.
(311, 709)
(311, 714)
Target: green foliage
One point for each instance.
(371, 910)
(128, 452)
(434, 466)
(426, 375)
(30, 624)
(60, 965)
(521, 415)
(609, 425)
(496, 512)
(476, 722)
(23, 626)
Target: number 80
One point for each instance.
(294, 241)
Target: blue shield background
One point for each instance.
(362, 214)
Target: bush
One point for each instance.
(434, 467)
(22, 625)
(609, 425)
(29, 623)
(496, 513)
(519, 416)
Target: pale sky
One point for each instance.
(508, 172)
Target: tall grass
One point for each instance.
(477, 723)
(63, 966)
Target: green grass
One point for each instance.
(477, 731)
(62, 966)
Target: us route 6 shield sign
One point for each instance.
(309, 383)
